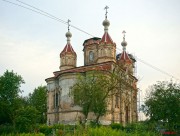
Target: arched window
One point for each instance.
(56, 99)
(91, 56)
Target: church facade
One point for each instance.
(99, 54)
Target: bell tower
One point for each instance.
(106, 47)
(68, 55)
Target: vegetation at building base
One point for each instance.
(137, 129)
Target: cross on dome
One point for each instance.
(106, 11)
(68, 34)
(68, 23)
(124, 34)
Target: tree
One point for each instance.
(10, 101)
(83, 91)
(26, 119)
(163, 103)
(38, 99)
(92, 90)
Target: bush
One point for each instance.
(6, 129)
(136, 129)
(57, 128)
(45, 129)
(26, 119)
(117, 126)
(104, 131)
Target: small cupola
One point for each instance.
(106, 39)
(106, 47)
(124, 56)
(68, 55)
(124, 60)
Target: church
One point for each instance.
(99, 54)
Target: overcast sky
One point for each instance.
(30, 43)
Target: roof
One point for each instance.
(92, 41)
(105, 66)
(102, 66)
(125, 57)
(106, 39)
(130, 56)
(68, 49)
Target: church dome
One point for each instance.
(68, 34)
(124, 43)
(106, 23)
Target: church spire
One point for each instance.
(68, 55)
(106, 37)
(106, 22)
(68, 34)
(124, 43)
(124, 56)
(106, 47)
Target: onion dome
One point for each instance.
(68, 34)
(68, 49)
(106, 24)
(124, 43)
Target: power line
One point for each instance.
(33, 10)
(55, 17)
(153, 67)
(44, 14)
(39, 11)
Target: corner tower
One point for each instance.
(68, 55)
(106, 47)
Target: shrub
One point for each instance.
(45, 129)
(117, 126)
(26, 119)
(6, 129)
(57, 128)
(104, 131)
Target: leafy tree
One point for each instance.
(26, 119)
(38, 99)
(163, 103)
(92, 90)
(83, 91)
(10, 101)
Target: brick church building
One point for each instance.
(99, 54)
